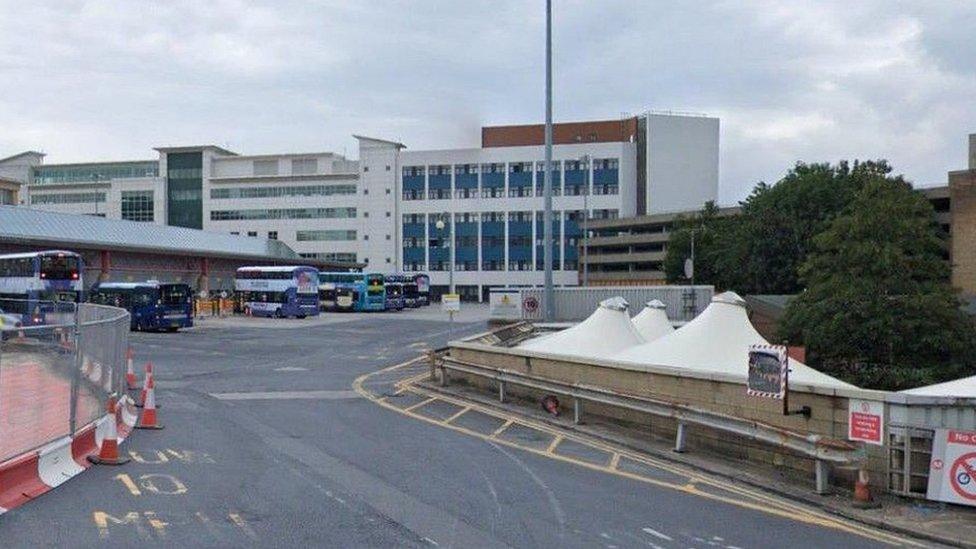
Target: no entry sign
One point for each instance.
(952, 472)
(865, 421)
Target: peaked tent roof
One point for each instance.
(605, 332)
(962, 388)
(652, 322)
(717, 341)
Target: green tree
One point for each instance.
(706, 226)
(878, 310)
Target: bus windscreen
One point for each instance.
(58, 267)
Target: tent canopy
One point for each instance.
(605, 332)
(652, 322)
(717, 341)
(960, 388)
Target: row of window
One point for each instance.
(513, 167)
(499, 217)
(275, 192)
(282, 213)
(68, 198)
(94, 172)
(514, 191)
(299, 166)
(327, 235)
(330, 256)
(514, 241)
(138, 206)
(490, 265)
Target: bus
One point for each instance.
(32, 284)
(394, 293)
(423, 288)
(152, 305)
(411, 293)
(344, 291)
(277, 291)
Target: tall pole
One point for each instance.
(450, 279)
(547, 216)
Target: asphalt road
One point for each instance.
(267, 445)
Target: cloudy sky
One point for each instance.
(791, 80)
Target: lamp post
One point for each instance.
(549, 298)
(450, 254)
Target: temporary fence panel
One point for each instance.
(682, 303)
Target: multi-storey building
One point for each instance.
(395, 209)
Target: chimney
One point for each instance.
(972, 151)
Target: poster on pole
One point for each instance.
(865, 421)
(451, 303)
(504, 305)
(952, 471)
(767, 371)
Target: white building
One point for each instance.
(383, 209)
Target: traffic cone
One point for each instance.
(148, 420)
(130, 374)
(862, 492)
(145, 385)
(108, 454)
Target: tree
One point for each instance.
(878, 310)
(706, 226)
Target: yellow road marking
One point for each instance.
(767, 504)
(419, 404)
(555, 442)
(614, 461)
(458, 414)
(244, 526)
(501, 429)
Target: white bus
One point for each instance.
(278, 291)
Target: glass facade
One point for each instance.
(282, 213)
(184, 189)
(87, 173)
(138, 206)
(330, 256)
(68, 198)
(275, 192)
(306, 236)
(6, 197)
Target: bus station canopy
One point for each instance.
(605, 332)
(652, 322)
(961, 388)
(717, 341)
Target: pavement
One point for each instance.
(279, 437)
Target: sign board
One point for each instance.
(530, 303)
(767, 371)
(952, 472)
(504, 304)
(451, 303)
(689, 268)
(865, 421)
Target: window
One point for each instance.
(493, 217)
(365, 191)
(68, 198)
(137, 206)
(288, 213)
(6, 196)
(388, 169)
(387, 237)
(388, 260)
(95, 172)
(387, 214)
(365, 168)
(387, 190)
(275, 192)
(272, 235)
(365, 237)
(236, 233)
(252, 233)
(414, 218)
(365, 214)
(304, 166)
(266, 167)
(326, 235)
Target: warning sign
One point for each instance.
(865, 421)
(952, 474)
(530, 304)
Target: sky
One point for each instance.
(791, 81)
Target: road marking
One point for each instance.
(291, 369)
(552, 446)
(137, 457)
(244, 526)
(288, 395)
(419, 404)
(208, 524)
(657, 534)
(102, 520)
(760, 502)
(614, 461)
(501, 429)
(457, 415)
(158, 525)
(131, 486)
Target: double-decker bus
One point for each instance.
(152, 305)
(344, 291)
(394, 293)
(278, 292)
(423, 288)
(32, 283)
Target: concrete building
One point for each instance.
(383, 208)
(962, 193)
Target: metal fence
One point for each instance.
(59, 363)
(574, 304)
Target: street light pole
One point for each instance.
(450, 254)
(549, 308)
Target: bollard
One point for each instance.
(577, 411)
(679, 438)
(822, 470)
(501, 391)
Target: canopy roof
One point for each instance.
(605, 332)
(717, 341)
(962, 388)
(652, 322)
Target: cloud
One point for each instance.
(804, 80)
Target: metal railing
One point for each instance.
(59, 363)
(824, 451)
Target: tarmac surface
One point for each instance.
(295, 435)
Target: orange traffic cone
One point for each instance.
(862, 492)
(145, 385)
(148, 420)
(130, 374)
(108, 454)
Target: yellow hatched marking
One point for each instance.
(458, 414)
(419, 404)
(614, 461)
(552, 445)
(501, 429)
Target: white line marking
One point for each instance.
(287, 395)
(291, 369)
(657, 534)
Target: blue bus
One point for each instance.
(344, 291)
(423, 288)
(32, 284)
(277, 291)
(151, 304)
(394, 293)
(408, 289)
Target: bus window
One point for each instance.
(174, 294)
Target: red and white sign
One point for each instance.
(865, 421)
(952, 474)
(530, 304)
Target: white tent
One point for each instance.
(605, 332)
(652, 322)
(717, 341)
(960, 388)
